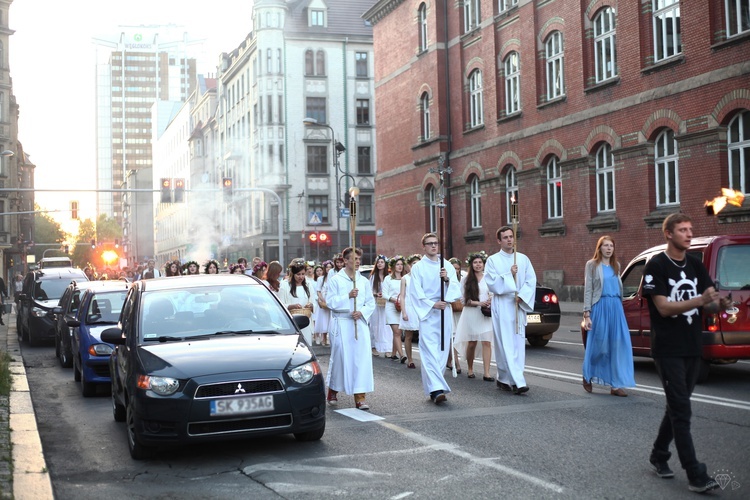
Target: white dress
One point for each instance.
(411, 313)
(322, 316)
(391, 289)
(286, 298)
(380, 332)
(473, 325)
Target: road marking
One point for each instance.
(402, 495)
(566, 343)
(360, 415)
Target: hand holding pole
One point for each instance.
(514, 220)
(353, 193)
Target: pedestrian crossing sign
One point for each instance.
(315, 218)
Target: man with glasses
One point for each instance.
(428, 276)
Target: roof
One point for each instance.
(196, 280)
(344, 18)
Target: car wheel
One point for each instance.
(313, 435)
(705, 367)
(137, 450)
(57, 347)
(66, 357)
(118, 410)
(88, 389)
(538, 341)
(76, 373)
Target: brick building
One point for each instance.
(600, 117)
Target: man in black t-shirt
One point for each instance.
(678, 288)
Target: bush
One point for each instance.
(5, 376)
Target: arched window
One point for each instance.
(422, 27)
(476, 111)
(739, 152)
(605, 50)
(320, 63)
(476, 204)
(667, 173)
(554, 189)
(432, 216)
(512, 84)
(511, 191)
(309, 63)
(554, 56)
(605, 179)
(424, 103)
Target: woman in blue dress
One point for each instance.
(609, 354)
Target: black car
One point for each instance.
(211, 357)
(39, 296)
(66, 310)
(545, 319)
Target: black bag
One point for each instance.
(487, 311)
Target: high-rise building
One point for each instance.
(135, 69)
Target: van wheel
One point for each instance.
(538, 341)
(705, 367)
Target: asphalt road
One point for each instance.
(555, 442)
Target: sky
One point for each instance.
(52, 62)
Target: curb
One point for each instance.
(30, 475)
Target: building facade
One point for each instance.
(597, 117)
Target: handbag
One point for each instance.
(487, 311)
(398, 305)
(457, 306)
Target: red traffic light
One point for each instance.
(313, 238)
(323, 238)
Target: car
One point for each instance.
(48, 262)
(40, 294)
(66, 309)
(211, 357)
(726, 335)
(99, 309)
(544, 320)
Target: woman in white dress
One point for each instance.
(295, 294)
(474, 326)
(391, 290)
(409, 322)
(380, 332)
(272, 277)
(457, 308)
(322, 313)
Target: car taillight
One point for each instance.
(712, 323)
(549, 298)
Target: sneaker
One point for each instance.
(702, 485)
(361, 405)
(331, 399)
(661, 468)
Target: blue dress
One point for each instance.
(609, 353)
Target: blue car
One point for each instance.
(100, 309)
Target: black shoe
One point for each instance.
(661, 468)
(520, 390)
(502, 386)
(702, 485)
(437, 397)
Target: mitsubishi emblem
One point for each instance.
(239, 389)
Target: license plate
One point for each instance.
(241, 406)
(533, 318)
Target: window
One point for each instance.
(425, 105)
(361, 64)
(317, 17)
(605, 54)
(432, 200)
(269, 109)
(739, 152)
(318, 203)
(476, 113)
(667, 31)
(422, 28)
(667, 189)
(738, 16)
(363, 111)
(309, 63)
(554, 190)
(269, 62)
(316, 108)
(503, 5)
(476, 204)
(320, 63)
(554, 56)
(316, 159)
(472, 16)
(512, 84)
(281, 109)
(511, 192)
(364, 160)
(278, 61)
(605, 179)
(365, 208)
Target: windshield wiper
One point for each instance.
(163, 338)
(235, 332)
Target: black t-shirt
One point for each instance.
(680, 335)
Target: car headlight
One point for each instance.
(39, 313)
(304, 373)
(100, 350)
(164, 386)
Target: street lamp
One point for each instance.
(336, 150)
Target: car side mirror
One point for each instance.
(113, 336)
(301, 321)
(73, 322)
(57, 310)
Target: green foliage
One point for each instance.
(46, 230)
(5, 376)
(107, 229)
(82, 253)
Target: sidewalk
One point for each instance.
(30, 476)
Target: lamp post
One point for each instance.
(336, 149)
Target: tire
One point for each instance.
(137, 450)
(66, 357)
(88, 389)
(538, 341)
(118, 410)
(705, 368)
(313, 435)
(76, 372)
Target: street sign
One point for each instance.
(315, 218)
(343, 213)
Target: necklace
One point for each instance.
(675, 263)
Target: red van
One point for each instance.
(726, 335)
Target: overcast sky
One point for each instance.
(52, 67)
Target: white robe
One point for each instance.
(350, 366)
(422, 293)
(510, 345)
(286, 298)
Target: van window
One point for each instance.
(631, 280)
(733, 268)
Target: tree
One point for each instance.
(46, 231)
(107, 229)
(83, 254)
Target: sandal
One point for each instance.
(471, 375)
(410, 365)
(488, 379)
(403, 359)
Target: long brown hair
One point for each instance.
(294, 269)
(273, 273)
(471, 285)
(612, 260)
(375, 277)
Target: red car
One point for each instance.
(726, 335)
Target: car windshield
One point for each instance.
(733, 268)
(206, 311)
(105, 307)
(50, 289)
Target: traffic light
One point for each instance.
(67, 249)
(324, 239)
(226, 185)
(117, 243)
(93, 244)
(179, 190)
(166, 190)
(73, 209)
(313, 239)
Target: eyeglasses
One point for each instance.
(431, 243)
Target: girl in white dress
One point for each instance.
(457, 308)
(295, 294)
(474, 326)
(391, 290)
(322, 314)
(380, 332)
(409, 320)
